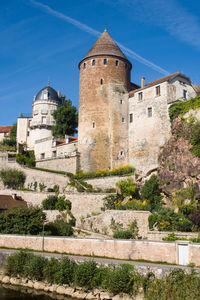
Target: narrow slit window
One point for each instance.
(149, 112)
(131, 118)
(101, 81)
(93, 125)
(116, 63)
(93, 62)
(84, 66)
(184, 94)
(121, 101)
(123, 120)
(105, 61)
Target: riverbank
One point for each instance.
(60, 292)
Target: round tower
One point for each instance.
(104, 66)
(45, 102)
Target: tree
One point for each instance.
(151, 191)
(12, 178)
(66, 117)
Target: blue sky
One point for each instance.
(46, 39)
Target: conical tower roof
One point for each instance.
(105, 45)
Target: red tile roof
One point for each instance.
(5, 129)
(7, 202)
(160, 80)
(196, 87)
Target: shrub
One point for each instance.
(110, 201)
(50, 202)
(12, 178)
(134, 205)
(15, 263)
(127, 187)
(26, 158)
(124, 170)
(63, 204)
(122, 279)
(167, 220)
(34, 267)
(65, 274)
(195, 217)
(151, 191)
(51, 267)
(59, 228)
(22, 220)
(123, 234)
(85, 274)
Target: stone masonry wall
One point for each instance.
(82, 204)
(102, 223)
(68, 164)
(122, 249)
(32, 175)
(106, 182)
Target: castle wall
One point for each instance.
(148, 133)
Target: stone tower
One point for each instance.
(103, 106)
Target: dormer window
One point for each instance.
(45, 94)
(93, 62)
(105, 61)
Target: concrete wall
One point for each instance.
(102, 223)
(122, 249)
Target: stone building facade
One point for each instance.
(119, 122)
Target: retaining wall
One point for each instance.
(122, 249)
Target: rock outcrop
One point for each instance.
(178, 167)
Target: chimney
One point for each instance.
(142, 82)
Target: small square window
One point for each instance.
(105, 61)
(140, 96)
(123, 120)
(131, 118)
(149, 112)
(184, 94)
(158, 90)
(93, 62)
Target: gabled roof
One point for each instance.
(105, 45)
(196, 87)
(160, 80)
(5, 129)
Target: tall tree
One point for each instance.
(66, 117)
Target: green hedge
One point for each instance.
(123, 278)
(12, 178)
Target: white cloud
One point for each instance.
(94, 32)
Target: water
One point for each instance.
(17, 293)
